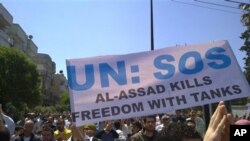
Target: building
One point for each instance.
(12, 35)
(46, 68)
(6, 20)
(60, 84)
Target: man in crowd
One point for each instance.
(122, 137)
(148, 133)
(178, 117)
(62, 133)
(199, 122)
(27, 132)
(108, 133)
(135, 128)
(4, 132)
(165, 122)
(7, 121)
(90, 132)
(47, 134)
(179, 132)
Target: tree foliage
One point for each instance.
(62, 106)
(44, 109)
(64, 102)
(64, 98)
(20, 82)
(245, 19)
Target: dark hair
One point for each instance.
(117, 125)
(4, 134)
(18, 128)
(178, 132)
(151, 116)
(60, 120)
(49, 130)
(177, 110)
(138, 125)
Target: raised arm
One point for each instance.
(218, 129)
(76, 133)
(1, 117)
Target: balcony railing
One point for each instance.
(5, 17)
(4, 37)
(17, 31)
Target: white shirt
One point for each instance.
(200, 125)
(26, 138)
(126, 130)
(159, 127)
(9, 123)
(121, 135)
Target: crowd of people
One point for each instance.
(177, 127)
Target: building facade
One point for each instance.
(6, 20)
(12, 35)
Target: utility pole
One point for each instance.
(152, 24)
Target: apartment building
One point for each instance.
(12, 35)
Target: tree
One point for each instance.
(245, 19)
(64, 102)
(20, 81)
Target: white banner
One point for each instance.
(146, 83)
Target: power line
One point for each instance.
(177, 1)
(221, 5)
(240, 4)
(237, 2)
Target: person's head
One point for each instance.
(28, 127)
(178, 112)
(46, 124)
(117, 124)
(31, 115)
(18, 130)
(193, 113)
(131, 121)
(50, 120)
(242, 122)
(179, 132)
(108, 126)
(190, 123)
(60, 124)
(165, 120)
(136, 127)
(47, 134)
(4, 134)
(90, 130)
(149, 123)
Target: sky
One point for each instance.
(69, 29)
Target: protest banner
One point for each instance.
(146, 83)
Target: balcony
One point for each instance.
(17, 32)
(32, 48)
(5, 40)
(6, 18)
(19, 37)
